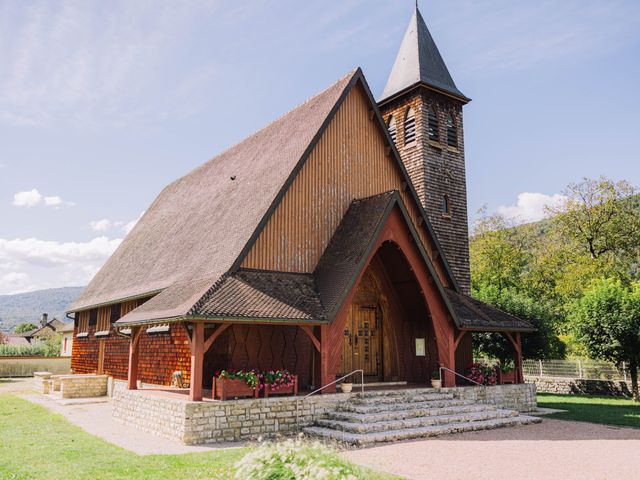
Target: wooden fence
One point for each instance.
(25, 366)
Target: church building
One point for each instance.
(332, 240)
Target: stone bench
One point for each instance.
(77, 386)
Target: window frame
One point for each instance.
(409, 127)
(452, 130)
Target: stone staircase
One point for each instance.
(387, 416)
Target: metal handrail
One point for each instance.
(328, 385)
(461, 376)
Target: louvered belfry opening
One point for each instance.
(410, 127)
(433, 127)
(452, 131)
(393, 132)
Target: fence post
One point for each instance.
(624, 371)
(579, 368)
(540, 365)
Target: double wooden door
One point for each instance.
(361, 341)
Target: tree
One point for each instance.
(3, 338)
(607, 320)
(601, 216)
(499, 252)
(24, 327)
(543, 343)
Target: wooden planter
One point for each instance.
(506, 377)
(224, 388)
(292, 390)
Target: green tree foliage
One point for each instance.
(607, 320)
(543, 343)
(24, 327)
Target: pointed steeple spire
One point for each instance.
(419, 61)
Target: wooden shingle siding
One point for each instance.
(348, 162)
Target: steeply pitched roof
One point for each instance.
(419, 61)
(476, 315)
(197, 227)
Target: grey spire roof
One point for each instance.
(419, 61)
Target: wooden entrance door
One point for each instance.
(361, 341)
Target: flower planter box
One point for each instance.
(291, 390)
(224, 388)
(507, 377)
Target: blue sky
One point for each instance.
(104, 103)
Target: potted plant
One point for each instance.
(278, 381)
(235, 384)
(346, 387)
(483, 374)
(507, 372)
(436, 382)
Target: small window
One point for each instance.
(392, 128)
(103, 324)
(126, 307)
(445, 207)
(410, 127)
(434, 130)
(83, 322)
(452, 131)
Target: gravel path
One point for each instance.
(554, 449)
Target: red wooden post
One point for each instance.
(518, 360)
(132, 375)
(197, 358)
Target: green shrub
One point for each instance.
(35, 350)
(295, 460)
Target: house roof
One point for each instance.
(52, 325)
(476, 315)
(198, 226)
(419, 62)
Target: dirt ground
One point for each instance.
(554, 449)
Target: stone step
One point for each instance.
(455, 407)
(404, 398)
(398, 406)
(416, 422)
(419, 432)
(399, 392)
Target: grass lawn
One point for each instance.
(588, 408)
(37, 444)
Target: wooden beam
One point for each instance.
(216, 333)
(197, 359)
(187, 332)
(132, 374)
(307, 329)
(459, 338)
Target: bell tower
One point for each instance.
(422, 108)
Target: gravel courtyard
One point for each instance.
(552, 449)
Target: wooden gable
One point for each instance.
(351, 160)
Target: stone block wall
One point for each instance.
(562, 385)
(81, 386)
(194, 423)
(520, 397)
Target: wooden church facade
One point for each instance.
(315, 245)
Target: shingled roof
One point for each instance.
(419, 62)
(197, 227)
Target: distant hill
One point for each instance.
(29, 307)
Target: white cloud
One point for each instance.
(530, 207)
(104, 225)
(31, 198)
(52, 263)
(129, 225)
(28, 199)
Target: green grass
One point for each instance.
(36, 444)
(588, 408)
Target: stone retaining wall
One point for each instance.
(563, 385)
(81, 386)
(248, 419)
(520, 397)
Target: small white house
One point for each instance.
(67, 340)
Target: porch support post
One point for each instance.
(197, 358)
(515, 340)
(325, 377)
(132, 375)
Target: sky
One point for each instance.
(102, 104)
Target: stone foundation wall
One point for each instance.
(520, 397)
(248, 419)
(207, 422)
(564, 385)
(80, 386)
